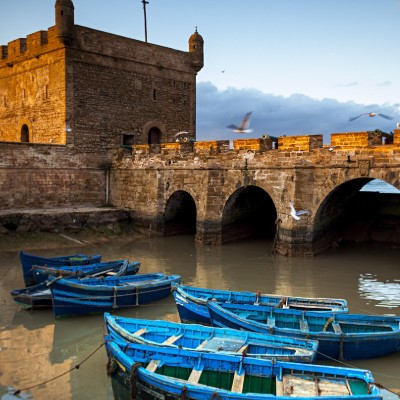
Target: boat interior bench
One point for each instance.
(296, 385)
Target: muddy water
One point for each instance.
(35, 348)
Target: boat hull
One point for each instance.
(191, 302)
(209, 339)
(37, 296)
(28, 260)
(372, 336)
(191, 312)
(151, 373)
(73, 297)
(121, 267)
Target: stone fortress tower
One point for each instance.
(92, 90)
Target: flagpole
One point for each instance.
(145, 19)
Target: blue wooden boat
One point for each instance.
(39, 295)
(74, 296)
(28, 260)
(192, 301)
(36, 296)
(118, 267)
(154, 372)
(340, 336)
(209, 339)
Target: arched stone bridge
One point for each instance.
(222, 194)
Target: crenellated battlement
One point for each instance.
(284, 144)
(33, 45)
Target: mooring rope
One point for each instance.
(77, 366)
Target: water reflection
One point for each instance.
(387, 293)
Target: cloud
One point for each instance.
(385, 84)
(350, 84)
(277, 115)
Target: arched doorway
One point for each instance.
(154, 136)
(248, 213)
(180, 214)
(25, 134)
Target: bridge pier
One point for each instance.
(293, 242)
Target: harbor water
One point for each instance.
(64, 359)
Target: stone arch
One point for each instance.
(25, 131)
(248, 212)
(347, 215)
(154, 132)
(180, 214)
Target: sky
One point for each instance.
(300, 66)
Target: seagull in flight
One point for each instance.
(296, 214)
(371, 114)
(244, 126)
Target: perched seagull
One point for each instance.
(244, 126)
(181, 133)
(295, 214)
(371, 114)
(332, 148)
(181, 136)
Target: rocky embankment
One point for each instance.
(69, 227)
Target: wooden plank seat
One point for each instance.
(153, 365)
(201, 345)
(303, 325)
(194, 376)
(172, 339)
(242, 349)
(238, 381)
(140, 332)
(336, 327)
(299, 386)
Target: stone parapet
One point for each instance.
(215, 146)
(356, 140)
(254, 144)
(300, 143)
(396, 137)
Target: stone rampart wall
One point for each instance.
(46, 176)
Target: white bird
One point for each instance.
(244, 126)
(332, 148)
(295, 214)
(181, 136)
(371, 114)
(181, 133)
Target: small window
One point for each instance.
(154, 94)
(127, 140)
(25, 134)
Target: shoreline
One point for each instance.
(52, 240)
(35, 229)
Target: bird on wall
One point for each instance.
(371, 114)
(182, 136)
(296, 214)
(244, 126)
